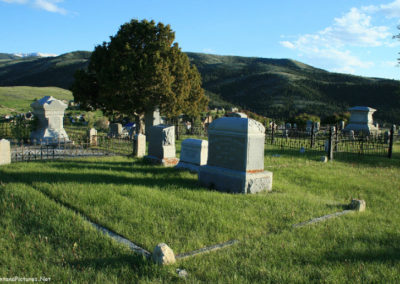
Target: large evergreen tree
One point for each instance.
(140, 68)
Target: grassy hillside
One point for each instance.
(151, 204)
(18, 99)
(276, 88)
(283, 87)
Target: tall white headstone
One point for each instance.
(236, 157)
(50, 114)
(5, 152)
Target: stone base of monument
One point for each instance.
(232, 181)
(166, 162)
(187, 166)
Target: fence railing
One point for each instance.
(22, 150)
(333, 141)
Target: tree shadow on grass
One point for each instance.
(139, 264)
(157, 179)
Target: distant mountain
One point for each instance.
(34, 54)
(272, 87)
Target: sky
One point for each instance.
(346, 36)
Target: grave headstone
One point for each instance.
(92, 135)
(139, 145)
(386, 137)
(316, 126)
(236, 157)
(351, 135)
(152, 118)
(132, 133)
(193, 154)
(341, 125)
(115, 130)
(162, 145)
(5, 152)
(50, 114)
(288, 125)
(285, 133)
(294, 126)
(361, 121)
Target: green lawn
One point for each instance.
(150, 204)
(14, 100)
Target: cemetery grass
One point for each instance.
(44, 234)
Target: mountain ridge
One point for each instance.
(277, 88)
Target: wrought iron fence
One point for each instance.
(333, 141)
(96, 146)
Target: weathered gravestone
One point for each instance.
(236, 157)
(361, 121)
(288, 125)
(193, 154)
(139, 145)
(162, 145)
(115, 130)
(50, 114)
(92, 136)
(5, 152)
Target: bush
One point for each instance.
(101, 123)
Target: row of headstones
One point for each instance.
(232, 160)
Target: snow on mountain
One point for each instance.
(34, 54)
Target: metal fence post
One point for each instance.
(272, 132)
(331, 143)
(391, 142)
(312, 136)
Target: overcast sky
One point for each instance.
(348, 36)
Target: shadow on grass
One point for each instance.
(160, 181)
(139, 264)
(151, 176)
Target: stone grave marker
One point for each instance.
(92, 135)
(5, 152)
(193, 154)
(361, 120)
(162, 145)
(115, 130)
(50, 114)
(139, 145)
(236, 157)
